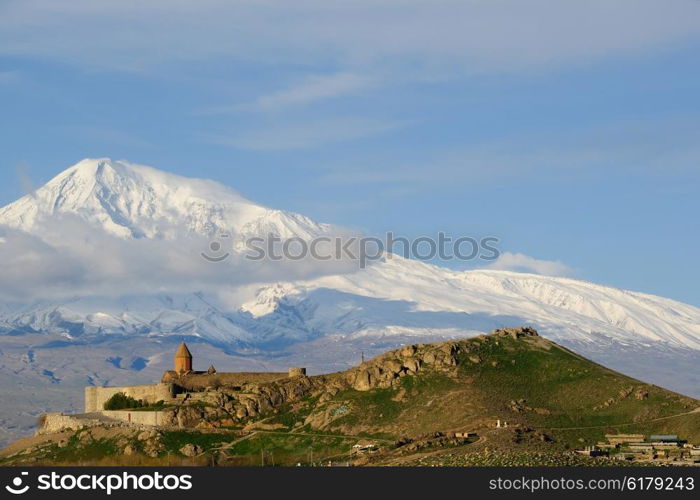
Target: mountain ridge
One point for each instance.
(131, 201)
(323, 320)
(135, 201)
(511, 390)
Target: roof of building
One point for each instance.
(183, 352)
(663, 437)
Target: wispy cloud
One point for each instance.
(454, 35)
(291, 136)
(524, 263)
(312, 89)
(65, 256)
(660, 146)
(25, 179)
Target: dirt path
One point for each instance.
(305, 434)
(233, 443)
(417, 456)
(696, 410)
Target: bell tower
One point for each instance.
(183, 360)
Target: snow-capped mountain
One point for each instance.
(320, 321)
(415, 295)
(135, 201)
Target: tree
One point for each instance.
(121, 401)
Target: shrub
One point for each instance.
(121, 401)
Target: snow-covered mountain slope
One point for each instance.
(395, 295)
(135, 201)
(321, 322)
(565, 308)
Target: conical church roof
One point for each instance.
(183, 352)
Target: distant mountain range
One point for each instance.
(97, 328)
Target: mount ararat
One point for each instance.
(102, 276)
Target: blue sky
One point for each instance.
(570, 130)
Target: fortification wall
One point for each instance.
(201, 381)
(136, 417)
(57, 422)
(95, 397)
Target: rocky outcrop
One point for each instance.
(152, 442)
(516, 333)
(434, 440)
(191, 450)
(226, 405)
(639, 393)
(185, 415)
(216, 407)
(386, 370)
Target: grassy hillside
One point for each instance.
(527, 380)
(552, 399)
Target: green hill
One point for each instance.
(547, 399)
(514, 376)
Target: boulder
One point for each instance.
(153, 447)
(146, 435)
(191, 450)
(408, 351)
(411, 365)
(363, 381)
(641, 394)
(450, 348)
(392, 366)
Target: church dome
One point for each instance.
(183, 352)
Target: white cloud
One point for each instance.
(65, 256)
(313, 89)
(25, 180)
(519, 262)
(291, 136)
